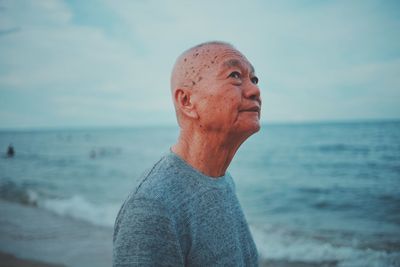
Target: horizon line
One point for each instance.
(167, 125)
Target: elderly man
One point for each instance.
(185, 211)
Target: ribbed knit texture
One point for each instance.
(179, 217)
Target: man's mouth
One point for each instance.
(252, 109)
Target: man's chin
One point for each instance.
(256, 128)
(249, 129)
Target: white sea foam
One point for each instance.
(79, 208)
(277, 244)
(33, 197)
(274, 243)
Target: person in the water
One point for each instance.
(10, 151)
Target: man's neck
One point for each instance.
(209, 153)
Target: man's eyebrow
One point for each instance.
(237, 63)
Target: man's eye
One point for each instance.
(254, 80)
(235, 75)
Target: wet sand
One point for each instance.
(284, 263)
(8, 260)
(33, 237)
(40, 236)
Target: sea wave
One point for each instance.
(275, 243)
(335, 148)
(279, 244)
(76, 207)
(21, 194)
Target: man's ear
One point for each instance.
(184, 101)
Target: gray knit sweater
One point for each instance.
(179, 217)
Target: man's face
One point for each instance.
(227, 96)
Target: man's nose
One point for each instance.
(251, 91)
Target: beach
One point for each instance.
(9, 260)
(42, 239)
(314, 195)
(38, 235)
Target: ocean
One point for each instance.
(318, 194)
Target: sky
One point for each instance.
(108, 63)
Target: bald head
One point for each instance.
(211, 84)
(195, 62)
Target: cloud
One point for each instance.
(76, 63)
(9, 31)
(316, 61)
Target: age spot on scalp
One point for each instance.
(193, 83)
(199, 79)
(185, 59)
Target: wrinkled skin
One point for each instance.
(217, 102)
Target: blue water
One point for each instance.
(316, 193)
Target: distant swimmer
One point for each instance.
(10, 151)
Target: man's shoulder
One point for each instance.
(164, 182)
